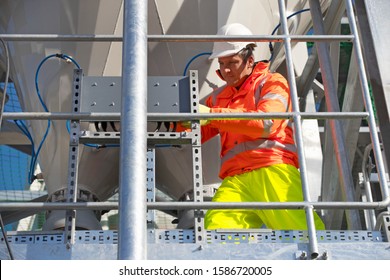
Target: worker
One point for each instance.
(259, 162)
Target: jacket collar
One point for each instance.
(261, 68)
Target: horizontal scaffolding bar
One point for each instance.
(62, 38)
(182, 116)
(175, 38)
(256, 38)
(12, 206)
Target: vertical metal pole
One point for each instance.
(313, 244)
(368, 103)
(346, 181)
(132, 194)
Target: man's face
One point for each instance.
(234, 70)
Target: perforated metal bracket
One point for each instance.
(70, 216)
(386, 226)
(150, 185)
(200, 234)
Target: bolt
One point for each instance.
(112, 84)
(94, 84)
(302, 256)
(112, 104)
(174, 85)
(93, 104)
(175, 104)
(156, 84)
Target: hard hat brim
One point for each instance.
(223, 54)
(229, 52)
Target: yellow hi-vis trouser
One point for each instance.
(276, 183)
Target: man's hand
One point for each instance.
(185, 124)
(204, 110)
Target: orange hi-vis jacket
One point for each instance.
(250, 144)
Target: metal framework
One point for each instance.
(133, 239)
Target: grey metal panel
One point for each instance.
(101, 94)
(166, 94)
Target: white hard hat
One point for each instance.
(222, 49)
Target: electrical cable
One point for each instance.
(271, 48)
(192, 59)
(63, 57)
(22, 126)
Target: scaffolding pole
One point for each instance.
(337, 132)
(313, 244)
(132, 176)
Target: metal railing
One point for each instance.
(136, 249)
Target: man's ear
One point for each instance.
(220, 74)
(251, 61)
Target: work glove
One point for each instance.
(204, 110)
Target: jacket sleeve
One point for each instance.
(209, 131)
(274, 97)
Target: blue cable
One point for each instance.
(25, 131)
(35, 156)
(192, 59)
(277, 27)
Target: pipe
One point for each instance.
(41, 206)
(180, 116)
(346, 181)
(313, 243)
(132, 176)
(368, 104)
(173, 38)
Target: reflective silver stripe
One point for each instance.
(267, 127)
(276, 96)
(257, 144)
(269, 123)
(260, 87)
